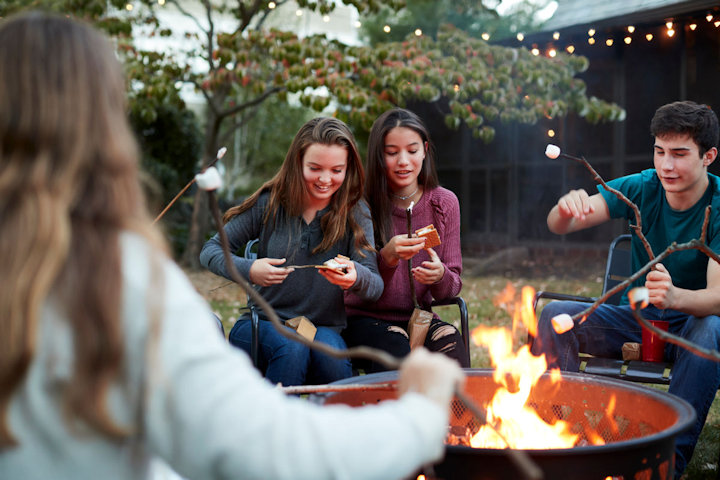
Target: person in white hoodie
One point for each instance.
(108, 356)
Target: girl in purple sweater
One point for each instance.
(401, 170)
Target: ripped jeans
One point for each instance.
(392, 337)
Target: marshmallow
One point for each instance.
(639, 295)
(209, 179)
(562, 323)
(552, 151)
(221, 153)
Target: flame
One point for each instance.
(518, 424)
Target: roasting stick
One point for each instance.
(521, 458)
(220, 154)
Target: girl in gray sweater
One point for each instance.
(310, 212)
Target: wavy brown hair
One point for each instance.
(377, 190)
(68, 187)
(287, 188)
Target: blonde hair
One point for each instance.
(68, 187)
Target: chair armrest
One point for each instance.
(560, 296)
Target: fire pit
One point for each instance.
(638, 426)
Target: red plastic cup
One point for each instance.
(653, 347)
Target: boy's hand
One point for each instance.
(575, 204)
(660, 287)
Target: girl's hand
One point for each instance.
(263, 271)
(342, 280)
(429, 272)
(400, 246)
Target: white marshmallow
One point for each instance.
(562, 323)
(209, 179)
(552, 151)
(221, 153)
(639, 295)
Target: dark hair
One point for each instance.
(690, 118)
(376, 189)
(287, 188)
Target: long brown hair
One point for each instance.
(377, 191)
(287, 188)
(68, 187)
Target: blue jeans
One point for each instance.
(288, 362)
(694, 379)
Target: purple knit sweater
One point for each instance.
(440, 207)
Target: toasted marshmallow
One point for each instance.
(562, 323)
(209, 179)
(552, 151)
(639, 295)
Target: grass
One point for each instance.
(479, 293)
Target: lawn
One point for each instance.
(227, 300)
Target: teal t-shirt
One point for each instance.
(662, 226)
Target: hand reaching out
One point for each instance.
(575, 204)
(430, 374)
(263, 271)
(429, 272)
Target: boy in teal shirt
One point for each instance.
(684, 289)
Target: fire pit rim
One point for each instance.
(686, 413)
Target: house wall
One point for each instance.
(507, 188)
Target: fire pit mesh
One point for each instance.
(593, 409)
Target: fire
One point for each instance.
(517, 373)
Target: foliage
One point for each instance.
(236, 64)
(470, 16)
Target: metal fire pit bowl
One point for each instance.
(640, 447)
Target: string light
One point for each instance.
(570, 49)
(485, 36)
(535, 51)
(161, 2)
(670, 32)
(551, 133)
(609, 42)
(456, 87)
(418, 32)
(552, 53)
(693, 26)
(386, 29)
(358, 24)
(129, 7)
(717, 24)
(298, 12)
(591, 41)
(631, 29)
(591, 32)
(669, 25)
(272, 5)
(520, 37)
(649, 36)
(556, 35)
(709, 17)
(326, 18)
(627, 40)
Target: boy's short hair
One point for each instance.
(686, 117)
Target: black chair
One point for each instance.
(617, 269)
(251, 254)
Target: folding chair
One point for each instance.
(251, 253)
(617, 269)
